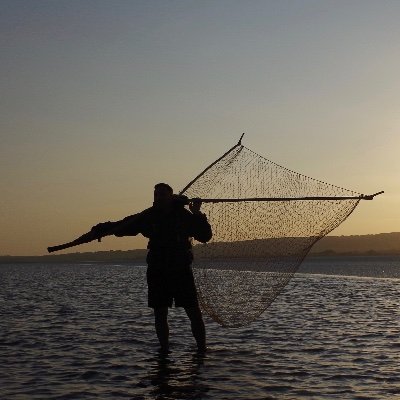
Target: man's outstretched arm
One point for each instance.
(129, 226)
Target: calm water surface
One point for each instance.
(84, 332)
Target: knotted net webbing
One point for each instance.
(258, 243)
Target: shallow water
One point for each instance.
(84, 332)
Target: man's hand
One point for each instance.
(195, 205)
(103, 228)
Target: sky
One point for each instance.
(100, 100)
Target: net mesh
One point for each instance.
(257, 246)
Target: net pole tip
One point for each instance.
(240, 140)
(371, 196)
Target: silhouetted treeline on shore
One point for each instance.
(378, 244)
(137, 256)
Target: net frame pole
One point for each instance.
(362, 197)
(239, 143)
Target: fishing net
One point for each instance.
(265, 219)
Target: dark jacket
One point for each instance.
(167, 230)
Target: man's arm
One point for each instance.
(129, 226)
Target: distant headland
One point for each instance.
(355, 245)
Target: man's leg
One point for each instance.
(162, 329)
(198, 328)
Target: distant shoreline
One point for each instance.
(141, 260)
(365, 266)
(378, 245)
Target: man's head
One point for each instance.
(163, 195)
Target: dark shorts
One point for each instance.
(170, 279)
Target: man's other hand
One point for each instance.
(195, 205)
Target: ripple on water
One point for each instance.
(90, 335)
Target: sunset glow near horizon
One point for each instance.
(101, 100)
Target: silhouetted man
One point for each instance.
(169, 226)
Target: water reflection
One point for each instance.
(173, 377)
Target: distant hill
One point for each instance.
(378, 244)
(137, 256)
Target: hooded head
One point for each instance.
(163, 195)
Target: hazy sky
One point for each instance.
(102, 99)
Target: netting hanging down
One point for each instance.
(258, 243)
